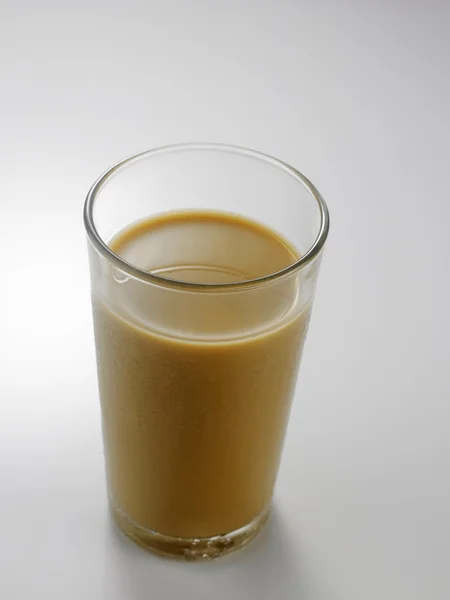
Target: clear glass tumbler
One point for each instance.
(196, 379)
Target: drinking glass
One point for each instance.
(194, 405)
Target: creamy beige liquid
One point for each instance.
(196, 387)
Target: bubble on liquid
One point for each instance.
(119, 276)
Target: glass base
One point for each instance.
(204, 548)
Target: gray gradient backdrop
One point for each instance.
(357, 96)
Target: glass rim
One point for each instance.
(101, 246)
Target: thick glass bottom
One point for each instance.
(189, 548)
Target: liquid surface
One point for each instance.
(196, 388)
(203, 247)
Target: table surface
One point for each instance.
(356, 95)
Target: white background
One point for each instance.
(356, 94)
